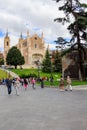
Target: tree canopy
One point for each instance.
(46, 64)
(57, 62)
(14, 57)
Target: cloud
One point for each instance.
(37, 16)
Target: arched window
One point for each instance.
(35, 45)
(7, 43)
(35, 38)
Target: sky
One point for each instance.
(35, 16)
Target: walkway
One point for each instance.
(43, 109)
(10, 72)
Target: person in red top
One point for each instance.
(33, 83)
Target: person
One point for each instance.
(22, 81)
(25, 83)
(61, 84)
(16, 86)
(42, 82)
(68, 80)
(33, 83)
(9, 85)
(51, 80)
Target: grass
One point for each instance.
(35, 71)
(3, 74)
(76, 82)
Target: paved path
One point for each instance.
(43, 109)
(10, 72)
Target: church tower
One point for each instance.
(6, 46)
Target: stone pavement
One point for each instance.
(43, 109)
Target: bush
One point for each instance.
(28, 75)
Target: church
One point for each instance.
(32, 48)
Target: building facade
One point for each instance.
(32, 48)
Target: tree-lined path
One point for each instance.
(43, 109)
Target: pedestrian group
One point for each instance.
(26, 82)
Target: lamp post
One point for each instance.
(51, 75)
(38, 64)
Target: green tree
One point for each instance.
(1, 61)
(14, 57)
(57, 62)
(77, 28)
(46, 64)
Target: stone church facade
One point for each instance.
(32, 48)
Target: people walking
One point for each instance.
(68, 87)
(51, 81)
(9, 85)
(16, 86)
(61, 83)
(42, 82)
(25, 84)
(33, 83)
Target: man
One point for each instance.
(9, 85)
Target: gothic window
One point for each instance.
(7, 43)
(35, 45)
(24, 44)
(35, 38)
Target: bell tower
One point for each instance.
(6, 46)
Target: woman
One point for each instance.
(69, 87)
(33, 83)
(61, 85)
(16, 86)
(25, 84)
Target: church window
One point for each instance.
(35, 38)
(35, 45)
(7, 43)
(24, 44)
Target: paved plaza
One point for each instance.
(43, 109)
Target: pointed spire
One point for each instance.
(7, 33)
(27, 33)
(48, 47)
(42, 34)
(21, 35)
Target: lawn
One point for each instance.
(35, 71)
(3, 74)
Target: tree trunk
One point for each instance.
(80, 61)
(15, 66)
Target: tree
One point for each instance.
(14, 57)
(1, 61)
(77, 28)
(46, 64)
(57, 62)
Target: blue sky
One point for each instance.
(37, 16)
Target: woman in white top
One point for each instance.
(68, 80)
(17, 85)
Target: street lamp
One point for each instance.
(38, 64)
(51, 75)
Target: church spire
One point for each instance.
(7, 33)
(21, 37)
(48, 47)
(42, 35)
(27, 33)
